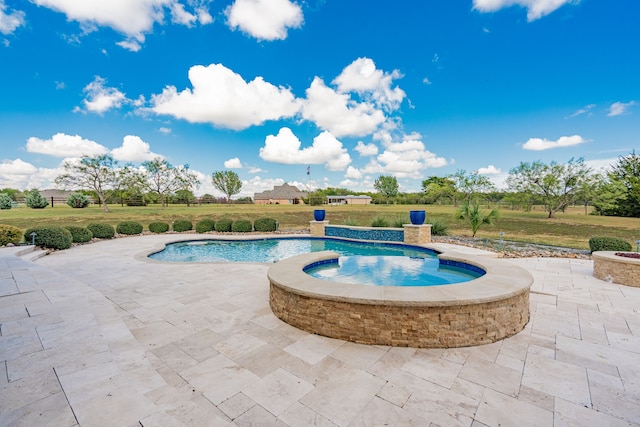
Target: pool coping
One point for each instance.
(498, 283)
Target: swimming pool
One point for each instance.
(370, 263)
(396, 270)
(276, 249)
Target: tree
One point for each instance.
(387, 185)
(436, 188)
(162, 178)
(228, 182)
(35, 200)
(625, 174)
(5, 201)
(471, 185)
(470, 212)
(558, 185)
(99, 174)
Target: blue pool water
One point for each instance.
(359, 262)
(272, 250)
(393, 270)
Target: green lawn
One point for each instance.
(571, 229)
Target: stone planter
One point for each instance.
(417, 217)
(617, 269)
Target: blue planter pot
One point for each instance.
(417, 217)
(318, 214)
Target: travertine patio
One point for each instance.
(94, 336)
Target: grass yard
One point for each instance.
(571, 229)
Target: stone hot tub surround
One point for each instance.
(617, 269)
(481, 311)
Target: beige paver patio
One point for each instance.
(98, 336)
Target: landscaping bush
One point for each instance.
(9, 234)
(608, 244)
(158, 227)
(35, 200)
(129, 228)
(400, 220)
(241, 226)
(180, 225)
(439, 227)
(102, 230)
(380, 221)
(5, 201)
(205, 225)
(78, 200)
(50, 237)
(265, 224)
(223, 225)
(79, 234)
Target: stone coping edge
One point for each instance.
(501, 281)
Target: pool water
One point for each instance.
(272, 250)
(368, 263)
(392, 270)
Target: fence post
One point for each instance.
(51, 201)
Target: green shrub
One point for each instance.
(241, 226)
(205, 225)
(158, 227)
(439, 227)
(102, 230)
(400, 220)
(351, 222)
(10, 234)
(608, 244)
(180, 225)
(5, 201)
(380, 221)
(35, 200)
(223, 225)
(78, 200)
(79, 234)
(50, 237)
(129, 228)
(265, 224)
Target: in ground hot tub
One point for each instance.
(481, 311)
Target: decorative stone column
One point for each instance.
(317, 228)
(417, 234)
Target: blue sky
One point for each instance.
(267, 88)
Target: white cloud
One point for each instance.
(337, 113)
(404, 159)
(426, 81)
(539, 144)
(489, 170)
(63, 145)
(366, 149)
(133, 18)
(618, 108)
(285, 148)
(353, 173)
(535, 8)
(10, 20)
(264, 19)
(22, 175)
(133, 149)
(234, 163)
(255, 169)
(100, 98)
(223, 98)
(584, 110)
(363, 77)
(16, 167)
(165, 130)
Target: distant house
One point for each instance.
(284, 194)
(348, 200)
